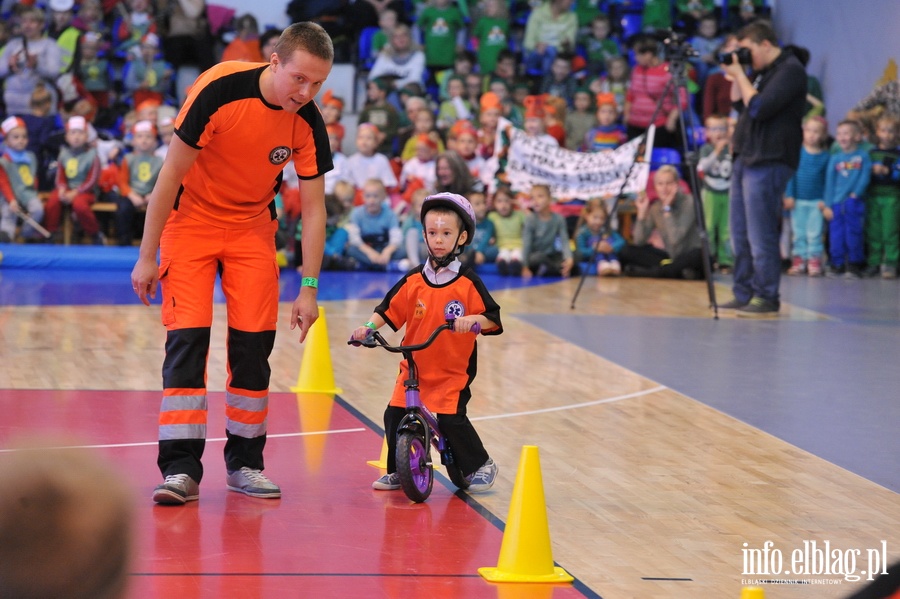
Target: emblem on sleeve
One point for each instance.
(279, 155)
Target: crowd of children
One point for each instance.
(442, 80)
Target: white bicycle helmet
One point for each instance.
(454, 202)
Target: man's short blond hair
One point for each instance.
(305, 36)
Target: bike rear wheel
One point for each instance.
(413, 466)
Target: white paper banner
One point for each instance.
(569, 174)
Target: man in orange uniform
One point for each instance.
(212, 211)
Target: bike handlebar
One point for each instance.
(374, 338)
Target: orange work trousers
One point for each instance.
(192, 254)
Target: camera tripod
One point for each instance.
(673, 89)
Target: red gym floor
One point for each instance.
(330, 535)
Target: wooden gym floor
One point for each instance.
(671, 443)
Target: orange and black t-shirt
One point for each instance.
(245, 143)
(446, 368)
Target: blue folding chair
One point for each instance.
(661, 156)
(365, 56)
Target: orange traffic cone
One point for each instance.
(316, 374)
(525, 553)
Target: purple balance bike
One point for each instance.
(419, 429)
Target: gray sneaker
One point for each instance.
(253, 483)
(177, 489)
(388, 482)
(483, 478)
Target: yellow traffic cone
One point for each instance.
(381, 463)
(525, 553)
(753, 593)
(316, 374)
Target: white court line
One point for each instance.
(357, 430)
(574, 405)
(154, 443)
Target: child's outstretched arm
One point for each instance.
(375, 323)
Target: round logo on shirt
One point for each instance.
(454, 309)
(279, 155)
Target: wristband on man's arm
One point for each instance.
(371, 325)
(310, 282)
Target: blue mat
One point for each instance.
(65, 257)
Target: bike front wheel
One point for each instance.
(414, 466)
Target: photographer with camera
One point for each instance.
(767, 139)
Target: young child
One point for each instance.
(137, 176)
(92, 68)
(455, 108)
(366, 163)
(804, 198)
(76, 182)
(590, 232)
(706, 43)
(581, 119)
(883, 211)
(545, 239)
(608, 134)
(559, 81)
(338, 158)
(598, 47)
(374, 237)
(492, 33)
(616, 81)
(465, 142)
(420, 171)
(849, 171)
(336, 236)
(446, 370)
(508, 226)
(387, 21)
(129, 29)
(714, 167)
(483, 249)
(245, 45)
(381, 113)
(440, 24)
(488, 121)
(423, 123)
(413, 234)
(463, 65)
(332, 111)
(148, 76)
(18, 182)
(534, 120)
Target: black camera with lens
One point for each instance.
(743, 56)
(676, 47)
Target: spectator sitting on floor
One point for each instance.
(673, 216)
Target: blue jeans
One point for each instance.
(755, 216)
(807, 223)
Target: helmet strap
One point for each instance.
(446, 260)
